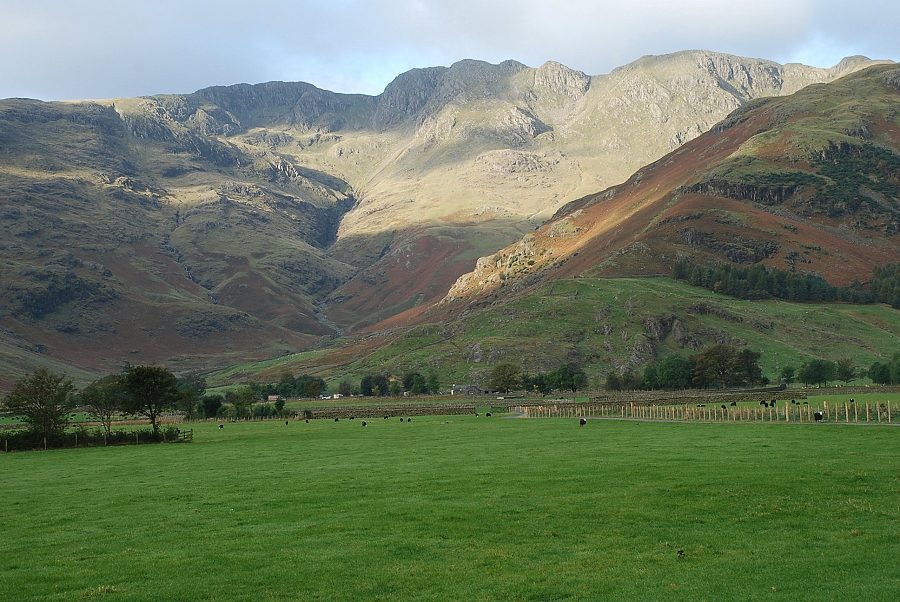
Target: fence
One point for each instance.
(843, 412)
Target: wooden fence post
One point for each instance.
(867, 411)
(889, 411)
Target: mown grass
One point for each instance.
(460, 508)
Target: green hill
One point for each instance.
(603, 324)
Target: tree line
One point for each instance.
(718, 366)
(760, 282)
(45, 402)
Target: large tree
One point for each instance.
(44, 400)
(817, 372)
(726, 366)
(504, 377)
(845, 371)
(571, 377)
(104, 399)
(151, 391)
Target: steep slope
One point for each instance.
(809, 183)
(252, 220)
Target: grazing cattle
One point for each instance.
(409, 419)
(772, 403)
(806, 403)
(582, 422)
(476, 414)
(351, 418)
(488, 414)
(793, 402)
(401, 420)
(285, 423)
(851, 400)
(307, 421)
(818, 416)
(733, 403)
(385, 417)
(724, 407)
(764, 404)
(336, 419)
(365, 423)
(221, 426)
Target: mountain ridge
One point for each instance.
(248, 226)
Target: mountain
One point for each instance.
(249, 221)
(805, 183)
(808, 184)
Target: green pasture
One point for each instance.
(460, 508)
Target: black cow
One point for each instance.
(818, 416)
(582, 421)
(365, 423)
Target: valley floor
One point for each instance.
(460, 507)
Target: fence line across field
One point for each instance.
(835, 412)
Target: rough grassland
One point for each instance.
(602, 323)
(460, 508)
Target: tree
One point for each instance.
(241, 400)
(886, 373)
(726, 366)
(286, 385)
(651, 377)
(504, 377)
(380, 385)
(434, 385)
(788, 373)
(613, 382)
(816, 372)
(674, 372)
(366, 386)
(44, 400)
(190, 390)
(104, 398)
(394, 388)
(845, 371)
(151, 391)
(345, 388)
(570, 376)
(210, 405)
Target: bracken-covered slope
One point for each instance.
(806, 183)
(246, 221)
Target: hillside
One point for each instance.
(805, 183)
(603, 324)
(248, 221)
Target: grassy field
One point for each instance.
(460, 508)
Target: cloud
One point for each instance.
(107, 48)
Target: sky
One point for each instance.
(78, 49)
